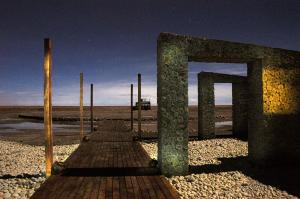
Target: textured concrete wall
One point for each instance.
(172, 100)
(206, 104)
(274, 98)
(240, 109)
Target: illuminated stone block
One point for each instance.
(274, 98)
(206, 104)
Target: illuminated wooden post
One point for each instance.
(131, 107)
(81, 107)
(48, 106)
(91, 109)
(139, 107)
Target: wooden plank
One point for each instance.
(169, 187)
(158, 191)
(123, 191)
(95, 188)
(102, 188)
(40, 193)
(81, 189)
(129, 188)
(149, 187)
(56, 188)
(165, 189)
(108, 188)
(143, 188)
(136, 188)
(89, 187)
(108, 155)
(116, 187)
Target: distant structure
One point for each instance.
(274, 98)
(145, 105)
(206, 104)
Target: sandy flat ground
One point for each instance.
(71, 134)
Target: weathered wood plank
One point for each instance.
(90, 164)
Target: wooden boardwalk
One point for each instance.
(109, 165)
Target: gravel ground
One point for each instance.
(214, 183)
(22, 167)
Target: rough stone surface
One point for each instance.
(206, 103)
(219, 183)
(172, 110)
(22, 167)
(274, 98)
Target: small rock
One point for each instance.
(6, 195)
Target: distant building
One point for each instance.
(145, 105)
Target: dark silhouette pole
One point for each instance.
(81, 107)
(92, 116)
(131, 107)
(139, 107)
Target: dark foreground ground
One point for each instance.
(69, 134)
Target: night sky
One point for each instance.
(112, 41)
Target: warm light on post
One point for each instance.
(48, 106)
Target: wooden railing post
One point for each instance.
(131, 107)
(81, 107)
(91, 109)
(139, 107)
(48, 106)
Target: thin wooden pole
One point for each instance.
(139, 107)
(92, 115)
(131, 107)
(81, 107)
(48, 106)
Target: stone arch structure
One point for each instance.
(206, 104)
(274, 98)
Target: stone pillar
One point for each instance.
(277, 140)
(240, 109)
(172, 99)
(48, 106)
(206, 107)
(255, 117)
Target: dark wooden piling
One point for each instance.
(81, 107)
(131, 107)
(48, 106)
(92, 111)
(139, 107)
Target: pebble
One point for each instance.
(229, 184)
(19, 159)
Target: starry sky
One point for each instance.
(112, 41)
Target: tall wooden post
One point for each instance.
(81, 107)
(48, 106)
(139, 107)
(91, 109)
(131, 107)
